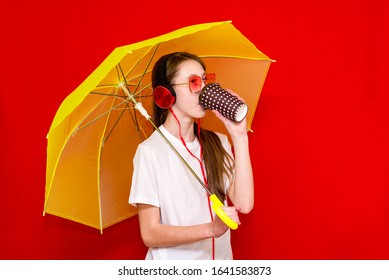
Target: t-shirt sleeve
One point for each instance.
(144, 187)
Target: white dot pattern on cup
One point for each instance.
(213, 97)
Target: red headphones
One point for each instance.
(164, 96)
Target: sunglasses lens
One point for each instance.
(195, 84)
(210, 78)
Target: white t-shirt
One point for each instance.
(161, 179)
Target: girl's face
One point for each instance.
(187, 103)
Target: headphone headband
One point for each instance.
(163, 94)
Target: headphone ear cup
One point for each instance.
(164, 96)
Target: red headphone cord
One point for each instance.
(201, 166)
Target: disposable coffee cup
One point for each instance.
(214, 97)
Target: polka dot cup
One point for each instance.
(213, 97)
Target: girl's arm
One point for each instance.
(241, 192)
(155, 234)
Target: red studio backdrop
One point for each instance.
(320, 143)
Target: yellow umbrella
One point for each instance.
(97, 128)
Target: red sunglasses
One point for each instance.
(196, 82)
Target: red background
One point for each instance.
(320, 147)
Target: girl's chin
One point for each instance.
(202, 113)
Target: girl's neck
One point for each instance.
(186, 124)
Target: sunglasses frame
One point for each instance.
(207, 79)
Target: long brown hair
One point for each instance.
(219, 165)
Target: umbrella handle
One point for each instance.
(217, 207)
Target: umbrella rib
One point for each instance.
(119, 67)
(123, 96)
(138, 61)
(141, 130)
(117, 73)
(135, 119)
(116, 122)
(147, 66)
(120, 71)
(102, 115)
(106, 85)
(142, 89)
(124, 77)
(107, 94)
(237, 57)
(133, 116)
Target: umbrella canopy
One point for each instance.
(96, 130)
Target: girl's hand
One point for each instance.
(233, 128)
(219, 227)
